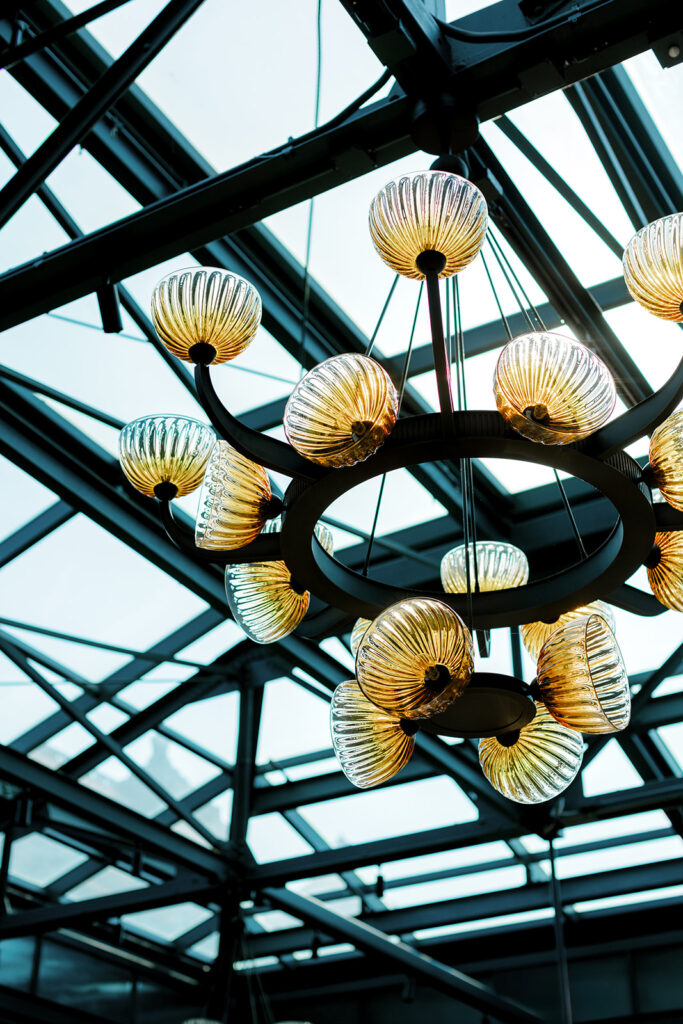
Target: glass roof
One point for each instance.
(134, 682)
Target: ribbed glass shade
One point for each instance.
(535, 634)
(360, 628)
(552, 389)
(206, 304)
(583, 679)
(499, 567)
(666, 579)
(370, 744)
(233, 500)
(341, 411)
(263, 601)
(165, 450)
(430, 210)
(415, 659)
(666, 459)
(653, 267)
(541, 764)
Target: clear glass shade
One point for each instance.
(360, 628)
(552, 389)
(666, 459)
(666, 578)
(543, 761)
(370, 744)
(209, 305)
(499, 567)
(653, 267)
(583, 679)
(233, 500)
(415, 659)
(535, 634)
(162, 449)
(429, 210)
(341, 411)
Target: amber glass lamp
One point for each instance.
(360, 628)
(371, 745)
(666, 459)
(431, 211)
(165, 456)
(582, 677)
(665, 569)
(552, 389)
(653, 267)
(235, 500)
(535, 763)
(535, 634)
(341, 411)
(205, 315)
(500, 566)
(415, 659)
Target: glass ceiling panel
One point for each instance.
(270, 837)
(39, 861)
(662, 94)
(610, 770)
(29, 498)
(66, 744)
(113, 779)
(106, 882)
(293, 721)
(178, 770)
(216, 815)
(167, 923)
(650, 852)
(210, 723)
(455, 888)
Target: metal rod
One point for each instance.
(572, 520)
(506, 325)
(441, 363)
(385, 307)
(13, 55)
(75, 125)
(58, 396)
(558, 924)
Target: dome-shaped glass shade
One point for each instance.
(263, 601)
(666, 459)
(415, 659)
(552, 389)
(583, 679)
(170, 450)
(341, 411)
(360, 628)
(206, 305)
(233, 500)
(370, 744)
(428, 211)
(499, 567)
(653, 267)
(666, 579)
(535, 634)
(540, 764)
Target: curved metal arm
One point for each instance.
(267, 451)
(638, 421)
(265, 548)
(638, 602)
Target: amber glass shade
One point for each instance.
(552, 389)
(341, 411)
(415, 659)
(370, 744)
(583, 679)
(541, 764)
(653, 267)
(263, 601)
(209, 305)
(499, 567)
(158, 450)
(360, 628)
(666, 459)
(428, 211)
(535, 634)
(233, 501)
(666, 579)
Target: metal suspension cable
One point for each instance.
(311, 206)
(385, 307)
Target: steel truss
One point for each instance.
(180, 195)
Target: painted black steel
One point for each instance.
(491, 705)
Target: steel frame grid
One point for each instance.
(663, 794)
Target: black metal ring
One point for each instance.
(420, 439)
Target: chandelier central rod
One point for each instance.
(431, 263)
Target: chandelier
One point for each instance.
(414, 651)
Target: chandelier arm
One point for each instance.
(630, 599)
(267, 451)
(638, 421)
(265, 548)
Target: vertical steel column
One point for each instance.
(558, 924)
(77, 123)
(251, 701)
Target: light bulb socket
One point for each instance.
(508, 739)
(202, 353)
(359, 428)
(430, 262)
(654, 558)
(165, 491)
(409, 726)
(296, 586)
(452, 163)
(537, 413)
(272, 508)
(648, 476)
(436, 678)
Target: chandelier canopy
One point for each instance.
(414, 650)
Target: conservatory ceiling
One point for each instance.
(130, 700)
